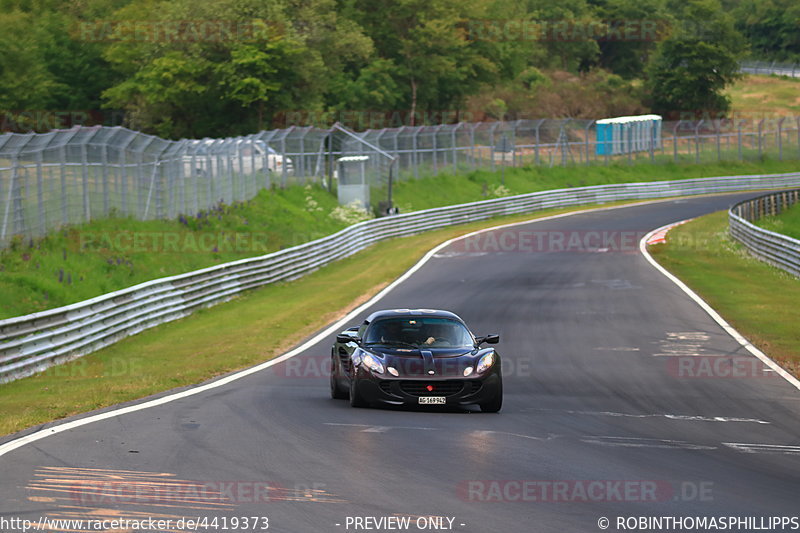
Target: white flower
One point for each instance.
(351, 213)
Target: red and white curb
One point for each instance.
(659, 236)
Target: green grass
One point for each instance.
(255, 327)
(85, 261)
(787, 223)
(760, 301)
(448, 189)
(765, 95)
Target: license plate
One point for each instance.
(432, 400)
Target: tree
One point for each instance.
(435, 65)
(691, 68)
(201, 85)
(639, 25)
(771, 27)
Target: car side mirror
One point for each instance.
(344, 339)
(488, 339)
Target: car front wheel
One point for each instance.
(494, 405)
(337, 392)
(356, 400)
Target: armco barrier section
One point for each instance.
(32, 343)
(773, 248)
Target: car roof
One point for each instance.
(436, 313)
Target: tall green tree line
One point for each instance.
(193, 68)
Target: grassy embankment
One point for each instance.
(92, 259)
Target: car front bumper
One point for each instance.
(407, 390)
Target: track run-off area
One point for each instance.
(625, 402)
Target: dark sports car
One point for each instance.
(416, 357)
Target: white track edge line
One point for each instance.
(335, 327)
(730, 330)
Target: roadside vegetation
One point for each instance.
(196, 68)
(80, 262)
(787, 223)
(756, 97)
(759, 300)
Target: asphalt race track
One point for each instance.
(623, 398)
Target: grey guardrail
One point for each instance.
(32, 343)
(773, 248)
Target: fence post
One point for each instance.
(760, 124)
(780, 138)
(675, 141)
(63, 175)
(797, 122)
(536, 146)
(414, 151)
(491, 143)
(87, 213)
(40, 194)
(434, 151)
(586, 141)
(11, 185)
(104, 162)
(739, 139)
(453, 145)
(697, 142)
(285, 165)
(719, 133)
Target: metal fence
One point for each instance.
(771, 67)
(73, 176)
(34, 342)
(771, 247)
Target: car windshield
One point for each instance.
(417, 331)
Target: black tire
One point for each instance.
(337, 392)
(356, 400)
(493, 405)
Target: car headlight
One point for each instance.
(372, 362)
(485, 362)
(468, 371)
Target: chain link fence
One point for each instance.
(73, 176)
(771, 67)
